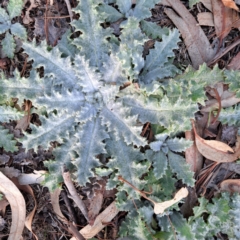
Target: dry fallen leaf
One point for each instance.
(95, 207)
(23, 123)
(192, 155)
(159, 208)
(197, 43)
(29, 218)
(18, 206)
(106, 216)
(207, 4)
(230, 185)
(230, 4)
(31, 178)
(235, 63)
(223, 18)
(55, 203)
(205, 19)
(228, 99)
(27, 19)
(215, 150)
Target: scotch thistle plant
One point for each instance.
(83, 104)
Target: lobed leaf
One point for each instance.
(53, 128)
(6, 140)
(19, 31)
(153, 30)
(158, 57)
(15, 8)
(8, 45)
(90, 144)
(181, 168)
(60, 69)
(8, 113)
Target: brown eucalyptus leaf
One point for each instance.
(106, 216)
(235, 63)
(207, 4)
(159, 208)
(205, 19)
(230, 4)
(215, 150)
(228, 99)
(95, 207)
(18, 206)
(192, 155)
(223, 18)
(197, 43)
(23, 123)
(230, 185)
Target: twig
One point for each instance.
(69, 206)
(46, 22)
(68, 182)
(223, 52)
(69, 9)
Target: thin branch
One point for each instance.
(79, 202)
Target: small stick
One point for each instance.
(69, 9)
(69, 206)
(68, 182)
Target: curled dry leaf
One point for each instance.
(235, 63)
(197, 43)
(192, 155)
(106, 216)
(230, 4)
(230, 185)
(17, 204)
(159, 208)
(31, 178)
(228, 99)
(223, 19)
(56, 208)
(205, 19)
(215, 150)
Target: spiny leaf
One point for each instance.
(182, 228)
(131, 48)
(14, 8)
(90, 144)
(18, 30)
(160, 162)
(110, 13)
(6, 140)
(230, 116)
(92, 42)
(125, 159)
(71, 101)
(3, 16)
(178, 145)
(119, 121)
(8, 113)
(203, 75)
(89, 79)
(53, 128)
(124, 5)
(174, 117)
(232, 78)
(153, 30)
(8, 45)
(24, 88)
(54, 66)
(181, 168)
(157, 58)
(143, 8)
